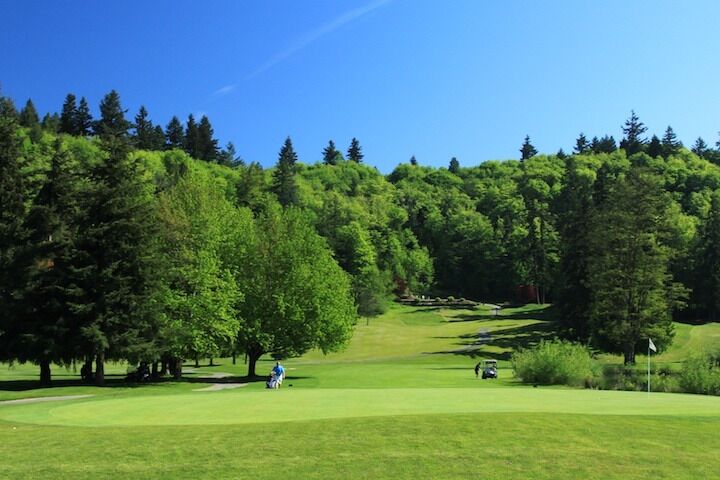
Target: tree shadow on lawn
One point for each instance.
(544, 314)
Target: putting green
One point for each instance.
(236, 407)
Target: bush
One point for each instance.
(700, 374)
(556, 363)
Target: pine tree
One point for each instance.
(68, 123)
(83, 119)
(28, 115)
(112, 117)
(49, 327)
(117, 251)
(7, 108)
(700, 148)
(654, 148)
(606, 144)
(284, 184)
(190, 142)
(413, 161)
(528, 150)
(454, 166)
(331, 155)
(207, 146)
(51, 123)
(633, 141)
(174, 134)
(157, 139)
(354, 152)
(229, 157)
(581, 144)
(670, 143)
(561, 154)
(144, 130)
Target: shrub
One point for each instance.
(556, 363)
(700, 374)
(451, 298)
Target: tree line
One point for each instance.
(620, 238)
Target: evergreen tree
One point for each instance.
(454, 166)
(655, 147)
(670, 143)
(700, 148)
(633, 295)
(190, 142)
(51, 123)
(68, 123)
(707, 282)
(633, 141)
(83, 119)
(331, 155)
(144, 130)
(561, 154)
(284, 184)
(117, 250)
(112, 117)
(528, 150)
(606, 144)
(157, 138)
(7, 108)
(581, 144)
(207, 146)
(49, 331)
(413, 161)
(354, 152)
(229, 157)
(174, 134)
(28, 115)
(252, 189)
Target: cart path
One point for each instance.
(220, 386)
(43, 399)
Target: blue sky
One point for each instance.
(465, 78)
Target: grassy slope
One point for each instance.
(374, 410)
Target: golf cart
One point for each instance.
(490, 369)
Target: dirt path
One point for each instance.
(43, 399)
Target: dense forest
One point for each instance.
(124, 240)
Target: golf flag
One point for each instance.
(651, 345)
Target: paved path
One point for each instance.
(220, 386)
(43, 399)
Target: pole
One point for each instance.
(648, 369)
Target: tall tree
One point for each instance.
(670, 143)
(633, 141)
(700, 148)
(51, 123)
(207, 146)
(284, 184)
(581, 144)
(354, 152)
(117, 250)
(229, 156)
(68, 122)
(454, 166)
(144, 130)
(49, 327)
(413, 161)
(112, 121)
(655, 147)
(528, 150)
(29, 119)
(83, 119)
(331, 155)
(190, 142)
(174, 134)
(633, 294)
(296, 295)
(707, 274)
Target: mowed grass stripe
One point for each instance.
(488, 446)
(235, 407)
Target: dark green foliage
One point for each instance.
(633, 141)
(331, 155)
(68, 122)
(284, 185)
(700, 148)
(174, 134)
(670, 143)
(605, 144)
(527, 150)
(413, 161)
(7, 108)
(51, 123)
(252, 188)
(707, 274)
(144, 137)
(561, 154)
(581, 144)
(229, 157)
(654, 148)
(454, 166)
(190, 140)
(354, 152)
(83, 119)
(28, 115)
(206, 147)
(112, 121)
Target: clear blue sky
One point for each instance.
(465, 78)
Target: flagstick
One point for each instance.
(648, 369)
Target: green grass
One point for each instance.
(401, 401)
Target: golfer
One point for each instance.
(279, 372)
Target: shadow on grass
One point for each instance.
(544, 314)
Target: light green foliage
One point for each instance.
(555, 363)
(701, 374)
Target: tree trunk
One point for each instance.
(45, 373)
(234, 358)
(177, 371)
(252, 361)
(100, 368)
(154, 372)
(211, 362)
(197, 361)
(629, 354)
